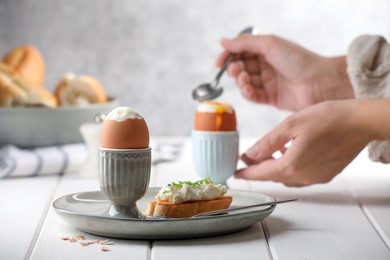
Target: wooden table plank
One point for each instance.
(370, 184)
(50, 246)
(247, 244)
(23, 206)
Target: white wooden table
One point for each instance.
(348, 218)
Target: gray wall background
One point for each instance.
(151, 53)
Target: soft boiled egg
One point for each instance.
(215, 116)
(124, 128)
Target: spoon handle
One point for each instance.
(223, 68)
(218, 212)
(230, 58)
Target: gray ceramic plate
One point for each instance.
(87, 212)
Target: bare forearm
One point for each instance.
(373, 116)
(340, 63)
(336, 83)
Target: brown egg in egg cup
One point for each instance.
(124, 161)
(215, 141)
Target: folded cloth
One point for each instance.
(17, 162)
(51, 160)
(369, 71)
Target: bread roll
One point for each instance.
(10, 93)
(16, 92)
(79, 90)
(186, 209)
(27, 63)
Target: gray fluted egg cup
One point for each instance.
(124, 176)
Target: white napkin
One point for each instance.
(17, 162)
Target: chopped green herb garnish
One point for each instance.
(192, 184)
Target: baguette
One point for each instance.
(186, 209)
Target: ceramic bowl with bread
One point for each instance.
(32, 115)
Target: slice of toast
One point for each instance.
(186, 209)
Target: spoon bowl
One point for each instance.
(206, 92)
